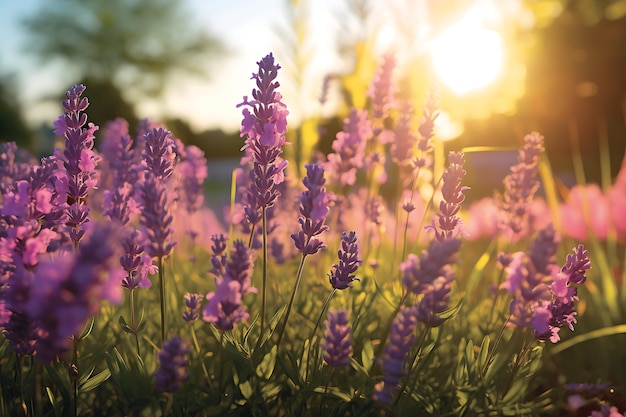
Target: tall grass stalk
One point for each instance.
(264, 281)
(317, 324)
(291, 299)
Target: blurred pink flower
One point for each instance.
(583, 199)
(482, 219)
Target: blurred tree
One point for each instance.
(134, 45)
(12, 125)
(106, 102)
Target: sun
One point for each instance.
(467, 57)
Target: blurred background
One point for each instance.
(501, 68)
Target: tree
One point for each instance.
(136, 45)
(12, 125)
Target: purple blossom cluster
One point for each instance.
(544, 295)
(78, 158)
(137, 264)
(172, 370)
(314, 207)
(401, 149)
(381, 89)
(122, 166)
(193, 302)
(521, 185)
(224, 306)
(265, 127)
(426, 132)
(349, 147)
(70, 288)
(449, 224)
(431, 275)
(342, 274)
(393, 361)
(337, 345)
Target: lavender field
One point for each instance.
(357, 282)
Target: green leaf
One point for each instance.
(56, 404)
(334, 391)
(367, 356)
(594, 334)
(271, 326)
(88, 328)
(451, 312)
(246, 389)
(96, 380)
(125, 326)
(266, 367)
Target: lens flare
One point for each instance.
(467, 57)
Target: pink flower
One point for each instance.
(482, 219)
(586, 209)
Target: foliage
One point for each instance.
(135, 44)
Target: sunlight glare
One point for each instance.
(467, 57)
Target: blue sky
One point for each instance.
(247, 27)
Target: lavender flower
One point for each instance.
(78, 158)
(224, 308)
(218, 258)
(159, 153)
(193, 302)
(449, 223)
(393, 361)
(432, 276)
(172, 371)
(543, 250)
(18, 329)
(156, 220)
(419, 273)
(375, 209)
(265, 128)
(402, 147)
(12, 169)
(121, 159)
(426, 132)
(564, 295)
(239, 267)
(521, 185)
(342, 274)
(349, 147)
(337, 345)
(313, 210)
(71, 287)
(545, 299)
(135, 262)
(381, 88)
(193, 171)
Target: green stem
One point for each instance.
(20, 381)
(412, 363)
(74, 372)
(221, 365)
(133, 325)
(319, 319)
(162, 295)
(196, 346)
(330, 374)
(517, 365)
(291, 299)
(264, 283)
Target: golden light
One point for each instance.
(467, 57)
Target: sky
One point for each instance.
(250, 29)
(246, 27)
